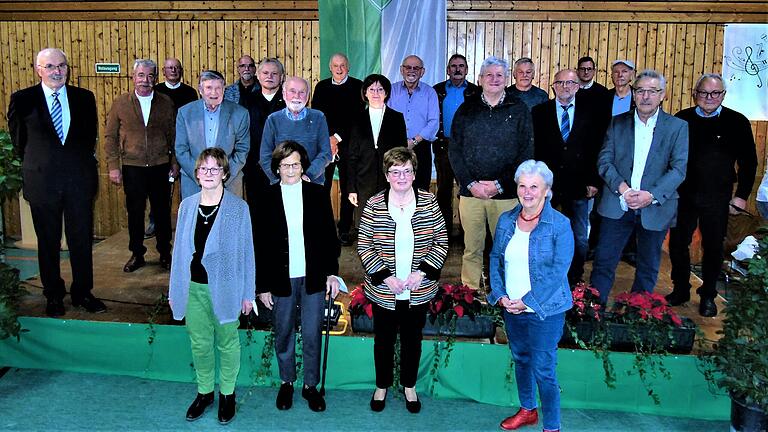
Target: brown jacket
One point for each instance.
(128, 142)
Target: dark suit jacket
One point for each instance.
(321, 245)
(365, 161)
(664, 170)
(45, 160)
(574, 163)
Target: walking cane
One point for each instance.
(327, 339)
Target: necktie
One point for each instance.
(56, 116)
(565, 123)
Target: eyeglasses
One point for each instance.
(710, 95)
(412, 68)
(248, 65)
(586, 69)
(568, 83)
(375, 90)
(295, 165)
(647, 92)
(212, 171)
(400, 173)
(50, 67)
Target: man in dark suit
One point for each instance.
(566, 136)
(54, 127)
(450, 94)
(588, 87)
(643, 161)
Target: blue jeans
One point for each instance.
(577, 211)
(534, 348)
(614, 234)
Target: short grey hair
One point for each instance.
(338, 54)
(714, 76)
(531, 167)
(296, 78)
(494, 61)
(208, 75)
(652, 74)
(524, 60)
(48, 51)
(145, 63)
(274, 61)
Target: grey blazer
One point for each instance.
(233, 138)
(664, 170)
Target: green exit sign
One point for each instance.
(107, 68)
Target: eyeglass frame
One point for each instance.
(401, 173)
(649, 92)
(717, 94)
(50, 67)
(212, 170)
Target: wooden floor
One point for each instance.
(131, 297)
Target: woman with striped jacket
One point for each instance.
(402, 243)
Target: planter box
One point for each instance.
(681, 343)
(482, 327)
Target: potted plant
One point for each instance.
(10, 288)
(361, 311)
(456, 311)
(739, 360)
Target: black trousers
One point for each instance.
(139, 184)
(712, 220)
(346, 209)
(409, 321)
(77, 210)
(424, 170)
(445, 181)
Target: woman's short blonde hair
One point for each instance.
(218, 155)
(399, 156)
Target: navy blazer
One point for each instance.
(664, 170)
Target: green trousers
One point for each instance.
(205, 333)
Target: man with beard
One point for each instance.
(450, 94)
(298, 123)
(523, 88)
(138, 141)
(239, 91)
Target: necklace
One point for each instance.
(206, 216)
(533, 218)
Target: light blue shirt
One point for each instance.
(420, 109)
(454, 96)
(211, 123)
(621, 104)
(66, 116)
(559, 112)
(700, 112)
(302, 114)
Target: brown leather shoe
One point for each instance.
(523, 417)
(133, 264)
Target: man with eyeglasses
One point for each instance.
(491, 135)
(296, 122)
(212, 122)
(339, 98)
(451, 93)
(589, 89)
(180, 93)
(567, 137)
(643, 161)
(419, 105)
(238, 91)
(53, 127)
(523, 88)
(138, 142)
(720, 138)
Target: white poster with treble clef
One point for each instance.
(745, 69)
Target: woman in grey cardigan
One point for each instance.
(213, 280)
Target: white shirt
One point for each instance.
(269, 97)
(172, 86)
(146, 105)
(571, 112)
(377, 117)
(66, 117)
(403, 243)
(294, 218)
(643, 140)
(518, 275)
(586, 86)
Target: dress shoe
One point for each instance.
(378, 405)
(523, 417)
(676, 298)
(165, 261)
(707, 307)
(150, 231)
(285, 397)
(345, 239)
(89, 303)
(199, 405)
(226, 408)
(413, 407)
(133, 264)
(54, 307)
(315, 402)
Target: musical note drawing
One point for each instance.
(751, 59)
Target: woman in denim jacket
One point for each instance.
(531, 255)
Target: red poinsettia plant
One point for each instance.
(454, 300)
(360, 303)
(644, 306)
(586, 303)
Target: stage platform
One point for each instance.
(129, 339)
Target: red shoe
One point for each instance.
(523, 417)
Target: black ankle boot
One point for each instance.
(199, 405)
(226, 408)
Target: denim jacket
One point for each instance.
(549, 256)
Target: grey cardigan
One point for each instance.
(228, 258)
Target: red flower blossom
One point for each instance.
(459, 310)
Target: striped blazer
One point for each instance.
(376, 246)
